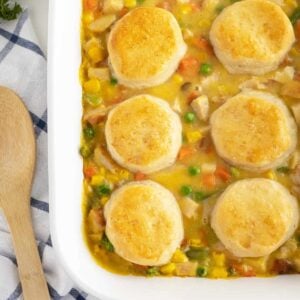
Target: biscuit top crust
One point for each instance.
(259, 30)
(143, 41)
(251, 130)
(141, 130)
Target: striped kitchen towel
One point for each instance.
(23, 69)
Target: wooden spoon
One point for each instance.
(17, 161)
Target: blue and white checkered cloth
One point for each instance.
(23, 69)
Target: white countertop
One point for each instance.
(38, 12)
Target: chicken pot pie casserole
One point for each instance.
(190, 129)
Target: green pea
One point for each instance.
(194, 171)
(219, 8)
(199, 196)
(89, 132)
(206, 69)
(113, 81)
(85, 151)
(197, 254)
(92, 99)
(186, 190)
(102, 190)
(106, 244)
(235, 172)
(201, 271)
(189, 117)
(283, 170)
(152, 271)
(94, 202)
(295, 15)
(231, 271)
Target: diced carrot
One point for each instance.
(222, 173)
(192, 96)
(186, 151)
(123, 12)
(140, 176)
(202, 44)
(189, 66)
(89, 171)
(209, 180)
(117, 100)
(90, 5)
(245, 271)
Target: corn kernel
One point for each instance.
(259, 264)
(97, 180)
(92, 86)
(219, 259)
(194, 136)
(179, 257)
(102, 171)
(87, 18)
(185, 9)
(124, 174)
(112, 178)
(218, 272)
(235, 172)
(104, 200)
(96, 237)
(204, 23)
(195, 243)
(96, 54)
(177, 78)
(271, 175)
(168, 269)
(129, 3)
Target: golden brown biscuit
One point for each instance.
(145, 47)
(254, 131)
(254, 217)
(143, 134)
(144, 223)
(252, 36)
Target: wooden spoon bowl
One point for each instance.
(17, 162)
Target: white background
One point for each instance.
(38, 12)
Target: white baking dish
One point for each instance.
(65, 173)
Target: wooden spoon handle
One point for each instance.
(30, 268)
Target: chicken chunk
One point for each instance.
(112, 6)
(99, 73)
(102, 23)
(189, 207)
(201, 107)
